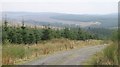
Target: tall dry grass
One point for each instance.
(109, 56)
(14, 53)
(0, 55)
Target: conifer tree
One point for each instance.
(24, 33)
(66, 32)
(36, 35)
(47, 34)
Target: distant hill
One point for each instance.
(110, 20)
(61, 19)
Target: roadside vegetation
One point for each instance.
(0, 55)
(110, 55)
(15, 54)
(0, 44)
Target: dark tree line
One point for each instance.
(101, 33)
(27, 35)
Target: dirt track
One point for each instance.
(70, 57)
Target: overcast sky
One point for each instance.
(61, 6)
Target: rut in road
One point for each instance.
(70, 57)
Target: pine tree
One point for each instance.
(66, 33)
(13, 36)
(79, 35)
(36, 35)
(57, 33)
(31, 38)
(5, 31)
(5, 24)
(19, 37)
(24, 33)
(47, 34)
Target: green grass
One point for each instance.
(109, 56)
(11, 53)
(0, 55)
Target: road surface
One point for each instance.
(70, 57)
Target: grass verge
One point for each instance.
(109, 56)
(0, 55)
(15, 54)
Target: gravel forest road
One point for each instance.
(70, 57)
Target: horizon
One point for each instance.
(55, 13)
